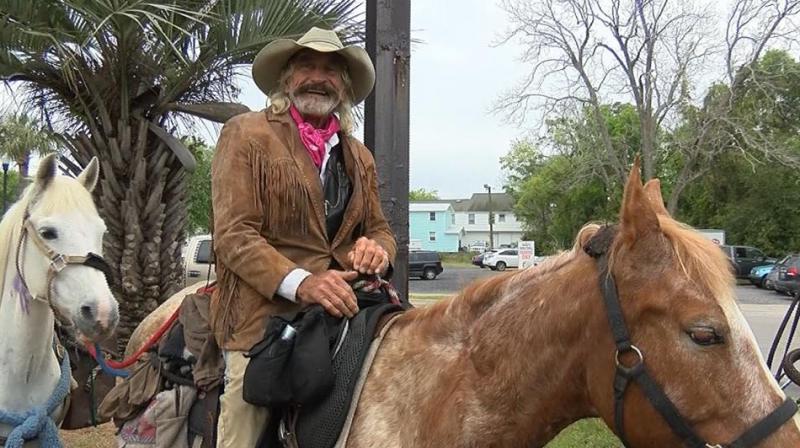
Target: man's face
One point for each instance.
(315, 86)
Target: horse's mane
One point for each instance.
(700, 259)
(62, 194)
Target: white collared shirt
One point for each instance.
(288, 287)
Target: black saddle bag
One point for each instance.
(292, 364)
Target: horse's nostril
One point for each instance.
(87, 312)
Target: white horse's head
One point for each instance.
(55, 242)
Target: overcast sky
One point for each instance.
(456, 74)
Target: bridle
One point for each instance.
(637, 372)
(58, 262)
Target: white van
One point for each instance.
(197, 260)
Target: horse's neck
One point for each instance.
(29, 369)
(513, 348)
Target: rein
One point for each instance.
(637, 371)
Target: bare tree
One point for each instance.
(587, 53)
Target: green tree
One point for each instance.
(753, 197)
(421, 194)
(521, 162)
(20, 137)
(11, 186)
(200, 188)
(115, 78)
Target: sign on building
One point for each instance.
(527, 252)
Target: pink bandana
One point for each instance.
(314, 139)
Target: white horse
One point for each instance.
(50, 246)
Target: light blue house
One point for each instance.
(431, 226)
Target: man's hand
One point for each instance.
(368, 257)
(329, 289)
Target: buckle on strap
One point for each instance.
(58, 263)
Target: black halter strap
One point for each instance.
(637, 372)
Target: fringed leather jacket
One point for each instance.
(271, 216)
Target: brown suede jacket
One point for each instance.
(269, 219)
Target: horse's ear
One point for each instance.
(637, 217)
(652, 189)
(90, 174)
(48, 168)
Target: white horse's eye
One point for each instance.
(48, 233)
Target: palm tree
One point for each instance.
(20, 137)
(116, 78)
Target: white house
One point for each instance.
(472, 215)
(445, 225)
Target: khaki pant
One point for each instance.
(240, 423)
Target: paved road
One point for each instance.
(455, 278)
(762, 309)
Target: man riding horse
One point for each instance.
(296, 209)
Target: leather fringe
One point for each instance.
(285, 203)
(225, 321)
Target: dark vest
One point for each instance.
(336, 191)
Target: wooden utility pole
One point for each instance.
(386, 121)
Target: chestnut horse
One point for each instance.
(514, 359)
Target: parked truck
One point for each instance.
(717, 236)
(745, 258)
(198, 262)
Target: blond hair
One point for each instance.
(279, 101)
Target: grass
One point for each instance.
(457, 258)
(590, 432)
(585, 433)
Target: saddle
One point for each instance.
(314, 415)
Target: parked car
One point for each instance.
(424, 264)
(788, 279)
(499, 261)
(769, 282)
(198, 262)
(745, 258)
(758, 275)
(477, 260)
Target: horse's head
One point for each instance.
(676, 294)
(59, 246)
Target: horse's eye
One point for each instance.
(704, 336)
(48, 233)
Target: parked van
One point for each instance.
(198, 260)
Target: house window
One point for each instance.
(453, 219)
(431, 236)
(471, 218)
(501, 217)
(432, 216)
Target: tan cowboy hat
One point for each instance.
(273, 58)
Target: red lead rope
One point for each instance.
(208, 289)
(147, 345)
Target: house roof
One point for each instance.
(479, 202)
(428, 206)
